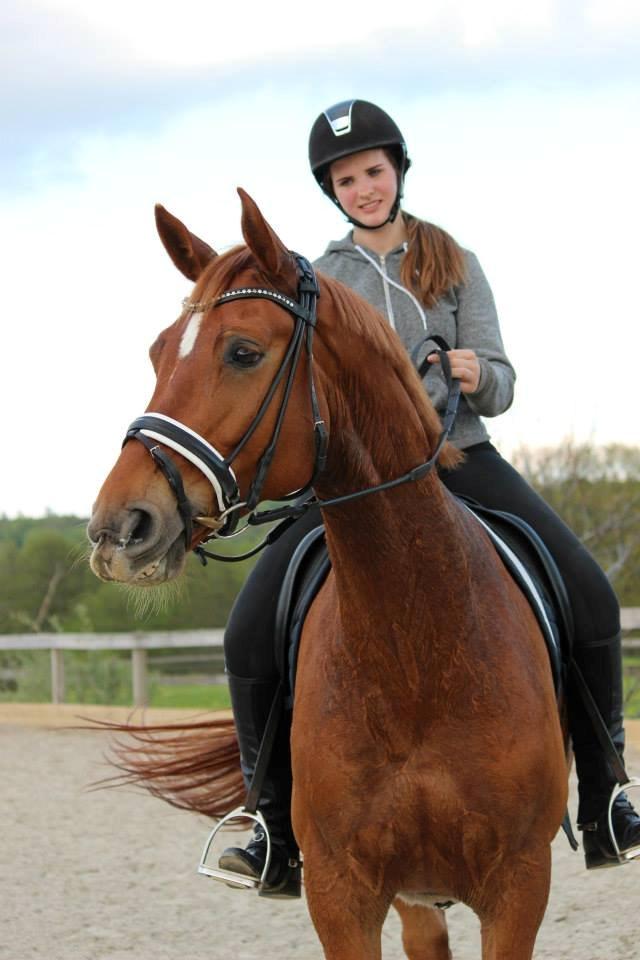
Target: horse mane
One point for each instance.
(219, 273)
(358, 317)
(378, 338)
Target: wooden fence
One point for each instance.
(140, 643)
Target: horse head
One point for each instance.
(214, 367)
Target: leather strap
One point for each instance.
(453, 397)
(163, 429)
(265, 751)
(173, 478)
(599, 726)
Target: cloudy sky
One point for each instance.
(521, 119)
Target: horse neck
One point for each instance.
(401, 576)
(404, 544)
(397, 554)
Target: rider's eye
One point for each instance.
(243, 355)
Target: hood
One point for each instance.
(348, 247)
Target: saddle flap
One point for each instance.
(305, 575)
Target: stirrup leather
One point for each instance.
(633, 852)
(232, 876)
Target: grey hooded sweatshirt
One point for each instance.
(465, 316)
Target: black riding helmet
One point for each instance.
(349, 127)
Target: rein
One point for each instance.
(417, 473)
(218, 470)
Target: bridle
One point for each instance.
(153, 429)
(217, 469)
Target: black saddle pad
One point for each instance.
(520, 548)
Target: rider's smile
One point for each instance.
(365, 185)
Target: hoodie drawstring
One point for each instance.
(387, 279)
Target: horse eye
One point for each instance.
(241, 355)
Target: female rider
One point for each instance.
(418, 277)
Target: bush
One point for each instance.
(98, 677)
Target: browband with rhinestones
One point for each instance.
(244, 293)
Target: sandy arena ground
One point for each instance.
(110, 875)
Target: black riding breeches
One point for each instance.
(488, 478)
(484, 476)
(248, 637)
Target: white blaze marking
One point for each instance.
(189, 335)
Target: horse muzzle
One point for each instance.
(139, 545)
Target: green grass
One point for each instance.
(216, 696)
(195, 697)
(99, 678)
(107, 680)
(90, 677)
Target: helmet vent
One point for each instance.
(339, 117)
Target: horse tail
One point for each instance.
(193, 766)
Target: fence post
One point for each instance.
(57, 675)
(139, 670)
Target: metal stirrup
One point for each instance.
(633, 852)
(250, 809)
(232, 876)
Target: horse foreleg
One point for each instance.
(424, 931)
(348, 916)
(509, 925)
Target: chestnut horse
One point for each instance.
(428, 760)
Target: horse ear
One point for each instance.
(189, 253)
(267, 247)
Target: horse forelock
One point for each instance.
(219, 274)
(222, 273)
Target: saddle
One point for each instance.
(520, 548)
(307, 571)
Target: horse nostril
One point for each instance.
(138, 528)
(135, 529)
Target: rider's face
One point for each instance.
(365, 185)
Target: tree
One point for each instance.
(596, 490)
(46, 584)
(40, 581)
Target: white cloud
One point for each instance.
(501, 21)
(615, 16)
(200, 33)
(543, 189)
(539, 180)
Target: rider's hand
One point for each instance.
(465, 367)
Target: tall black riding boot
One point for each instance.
(601, 667)
(251, 700)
